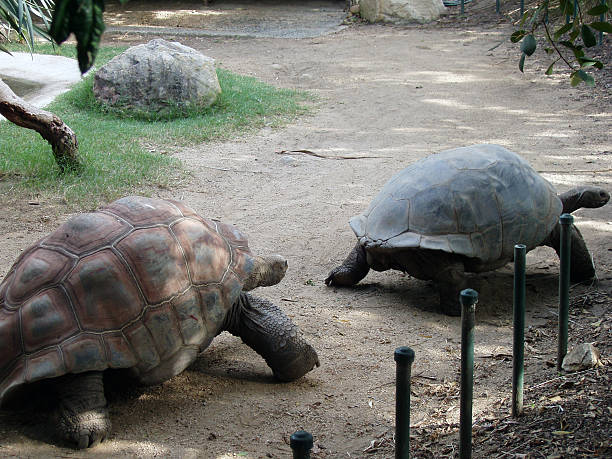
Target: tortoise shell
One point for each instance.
(142, 284)
(477, 201)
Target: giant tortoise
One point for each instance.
(141, 284)
(463, 210)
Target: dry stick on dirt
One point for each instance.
(51, 128)
(318, 155)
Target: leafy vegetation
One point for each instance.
(22, 17)
(569, 27)
(122, 153)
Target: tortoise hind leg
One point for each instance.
(450, 281)
(82, 415)
(581, 262)
(354, 268)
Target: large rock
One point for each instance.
(401, 11)
(158, 75)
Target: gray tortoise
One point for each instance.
(463, 210)
(144, 285)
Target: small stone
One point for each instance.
(582, 357)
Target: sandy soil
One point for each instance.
(393, 94)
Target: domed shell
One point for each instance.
(129, 286)
(477, 201)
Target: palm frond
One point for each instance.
(28, 18)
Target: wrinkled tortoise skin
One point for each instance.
(122, 287)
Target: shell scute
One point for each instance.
(157, 261)
(232, 234)
(41, 268)
(47, 319)
(191, 323)
(143, 346)
(84, 352)
(118, 350)
(205, 250)
(10, 337)
(164, 329)
(143, 211)
(211, 297)
(104, 293)
(185, 210)
(86, 232)
(45, 364)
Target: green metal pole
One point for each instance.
(518, 347)
(602, 18)
(468, 299)
(301, 444)
(566, 221)
(404, 356)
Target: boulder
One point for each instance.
(401, 11)
(156, 76)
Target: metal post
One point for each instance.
(462, 6)
(301, 444)
(522, 7)
(497, 6)
(602, 18)
(404, 356)
(565, 221)
(468, 299)
(518, 348)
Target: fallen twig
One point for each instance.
(318, 155)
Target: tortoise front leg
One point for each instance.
(82, 415)
(265, 328)
(354, 268)
(581, 262)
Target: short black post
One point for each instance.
(497, 6)
(518, 347)
(566, 221)
(468, 299)
(301, 444)
(404, 356)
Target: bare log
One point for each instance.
(51, 128)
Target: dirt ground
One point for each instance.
(393, 94)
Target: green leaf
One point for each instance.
(563, 30)
(574, 34)
(522, 62)
(517, 36)
(602, 26)
(597, 10)
(528, 45)
(60, 23)
(588, 62)
(588, 37)
(580, 75)
(549, 70)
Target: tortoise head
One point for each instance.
(268, 270)
(593, 197)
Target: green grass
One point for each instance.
(130, 154)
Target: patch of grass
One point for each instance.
(125, 153)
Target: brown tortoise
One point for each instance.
(142, 284)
